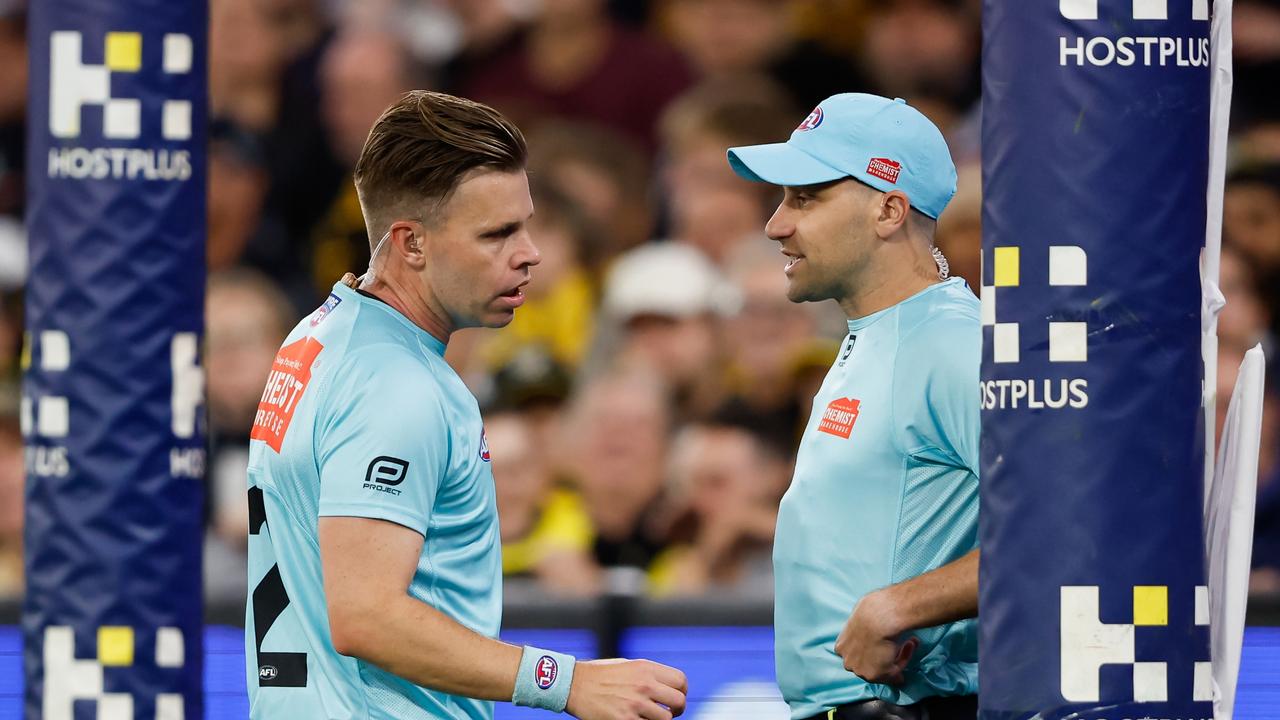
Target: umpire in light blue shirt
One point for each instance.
(876, 559)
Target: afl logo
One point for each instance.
(267, 672)
(484, 447)
(546, 671)
(813, 121)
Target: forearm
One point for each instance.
(415, 641)
(944, 595)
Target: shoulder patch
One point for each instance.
(290, 373)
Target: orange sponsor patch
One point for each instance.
(839, 418)
(290, 373)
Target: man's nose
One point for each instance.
(526, 254)
(780, 226)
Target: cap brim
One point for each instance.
(781, 164)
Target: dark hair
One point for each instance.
(422, 146)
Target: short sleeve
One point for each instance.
(936, 397)
(383, 445)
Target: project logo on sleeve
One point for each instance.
(387, 470)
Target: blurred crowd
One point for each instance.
(644, 407)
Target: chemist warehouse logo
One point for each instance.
(76, 85)
(1126, 51)
(1068, 341)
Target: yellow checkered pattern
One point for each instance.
(1150, 605)
(115, 645)
(124, 51)
(1006, 266)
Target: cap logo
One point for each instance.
(885, 169)
(813, 121)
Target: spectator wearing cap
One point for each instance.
(661, 308)
(886, 477)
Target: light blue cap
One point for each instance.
(884, 143)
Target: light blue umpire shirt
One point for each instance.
(886, 480)
(362, 417)
(885, 489)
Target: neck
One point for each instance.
(413, 301)
(897, 279)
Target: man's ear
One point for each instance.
(408, 241)
(894, 210)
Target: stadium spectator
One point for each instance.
(305, 174)
(767, 340)
(727, 38)
(1243, 323)
(673, 332)
(13, 106)
(606, 175)
(485, 29)
(1251, 223)
(559, 312)
(1245, 319)
(11, 506)
(707, 205)
(237, 189)
(246, 318)
(1265, 562)
(10, 345)
(363, 72)
(926, 51)
(725, 484)
(617, 435)
(538, 388)
(575, 62)
(245, 63)
(546, 533)
(1255, 112)
(960, 228)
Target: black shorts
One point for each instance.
(958, 707)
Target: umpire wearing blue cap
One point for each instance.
(875, 557)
